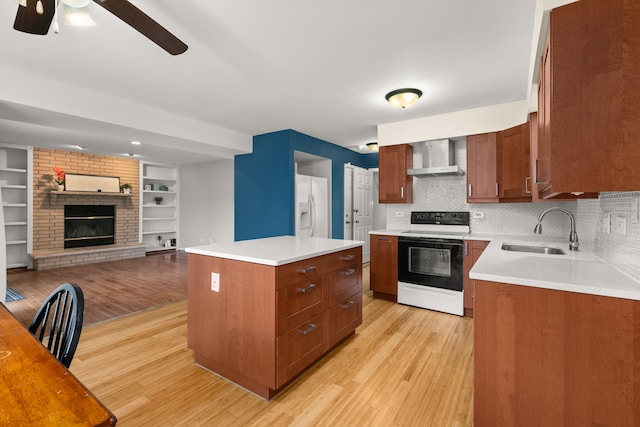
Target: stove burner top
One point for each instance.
(452, 225)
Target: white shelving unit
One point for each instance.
(16, 166)
(158, 222)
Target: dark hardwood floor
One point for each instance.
(111, 289)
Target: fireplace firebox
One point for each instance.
(89, 225)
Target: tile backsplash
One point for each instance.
(448, 193)
(620, 250)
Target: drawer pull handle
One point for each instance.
(307, 270)
(349, 272)
(310, 329)
(308, 289)
(383, 239)
(348, 257)
(348, 305)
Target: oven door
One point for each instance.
(431, 262)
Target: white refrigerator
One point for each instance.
(312, 206)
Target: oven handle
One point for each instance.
(425, 241)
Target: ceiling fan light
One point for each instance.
(22, 3)
(373, 146)
(403, 98)
(77, 17)
(76, 3)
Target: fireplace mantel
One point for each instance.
(89, 193)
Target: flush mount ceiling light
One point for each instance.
(373, 146)
(136, 143)
(403, 98)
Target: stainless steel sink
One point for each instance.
(532, 249)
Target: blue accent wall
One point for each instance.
(265, 185)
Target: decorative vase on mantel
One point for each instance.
(60, 187)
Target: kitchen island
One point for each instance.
(260, 312)
(556, 338)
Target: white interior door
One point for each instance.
(363, 208)
(348, 202)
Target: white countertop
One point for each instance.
(579, 271)
(275, 250)
(389, 232)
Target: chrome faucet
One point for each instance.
(573, 236)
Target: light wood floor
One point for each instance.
(404, 367)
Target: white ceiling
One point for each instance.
(321, 68)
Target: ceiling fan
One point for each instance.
(36, 17)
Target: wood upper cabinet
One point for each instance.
(513, 158)
(588, 102)
(498, 166)
(383, 266)
(395, 185)
(481, 168)
(472, 251)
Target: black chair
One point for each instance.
(58, 322)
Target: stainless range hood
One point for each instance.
(438, 158)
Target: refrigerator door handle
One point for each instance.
(312, 215)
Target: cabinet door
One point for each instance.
(395, 186)
(513, 154)
(482, 180)
(383, 267)
(472, 251)
(590, 87)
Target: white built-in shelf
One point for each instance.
(159, 191)
(162, 216)
(16, 164)
(159, 232)
(13, 170)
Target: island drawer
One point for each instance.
(345, 283)
(301, 302)
(345, 317)
(338, 260)
(300, 271)
(301, 346)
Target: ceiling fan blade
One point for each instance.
(28, 20)
(144, 24)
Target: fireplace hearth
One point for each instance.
(89, 225)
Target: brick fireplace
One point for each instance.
(49, 209)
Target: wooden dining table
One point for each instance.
(36, 389)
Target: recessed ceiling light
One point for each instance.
(136, 142)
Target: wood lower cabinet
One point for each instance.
(395, 185)
(472, 251)
(554, 358)
(268, 324)
(589, 126)
(383, 266)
